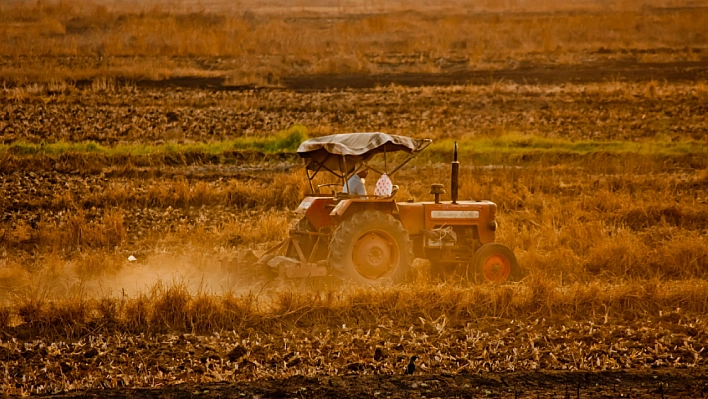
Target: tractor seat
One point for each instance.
(393, 192)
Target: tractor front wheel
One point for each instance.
(495, 263)
(371, 248)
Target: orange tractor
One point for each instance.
(373, 239)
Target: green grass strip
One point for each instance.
(286, 141)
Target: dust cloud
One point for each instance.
(195, 274)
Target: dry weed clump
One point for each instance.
(178, 193)
(31, 311)
(78, 231)
(108, 310)
(284, 191)
(207, 314)
(69, 318)
(170, 308)
(137, 314)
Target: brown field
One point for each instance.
(269, 44)
(585, 122)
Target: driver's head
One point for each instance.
(363, 173)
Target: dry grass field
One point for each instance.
(167, 133)
(266, 44)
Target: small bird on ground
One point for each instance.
(410, 369)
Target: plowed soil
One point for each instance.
(626, 71)
(523, 73)
(540, 101)
(686, 383)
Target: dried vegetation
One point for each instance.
(252, 43)
(613, 241)
(206, 338)
(602, 191)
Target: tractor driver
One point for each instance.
(356, 183)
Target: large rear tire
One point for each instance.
(495, 263)
(371, 248)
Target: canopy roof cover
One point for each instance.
(327, 151)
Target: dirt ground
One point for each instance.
(626, 101)
(651, 383)
(523, 73)
(630, 100)
(626, 70)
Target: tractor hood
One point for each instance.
(340, 153)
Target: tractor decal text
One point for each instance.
(454, 214)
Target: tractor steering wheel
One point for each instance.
(333, 187)
(394, 190)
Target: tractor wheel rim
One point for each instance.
(375, 254)
(496, 269)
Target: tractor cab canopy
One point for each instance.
(346, 154)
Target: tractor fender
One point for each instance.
(348, 207)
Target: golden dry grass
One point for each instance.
(82, 41)
(170, 307)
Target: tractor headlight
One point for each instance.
(492, 225)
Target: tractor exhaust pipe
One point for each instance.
(455, 176)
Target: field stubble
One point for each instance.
(613, 240)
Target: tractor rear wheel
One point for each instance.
(371, 248)
(494, 263)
